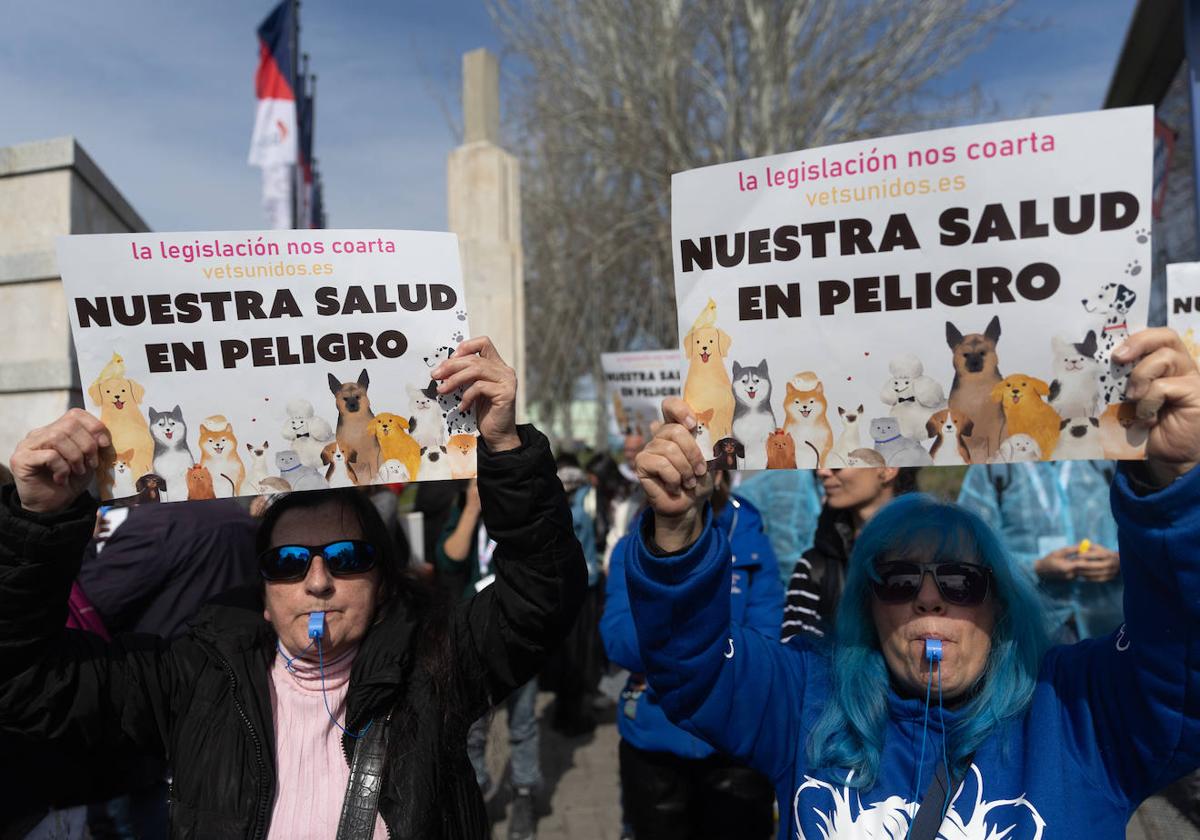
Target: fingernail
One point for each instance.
(436, 373)
(93, 462)
(700, 469)
(105, 441)
(690, 422)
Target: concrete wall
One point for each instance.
(47, 189)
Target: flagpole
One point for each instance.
(297, 92)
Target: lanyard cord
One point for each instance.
(945, 737)
(291, 667)
(924, 732)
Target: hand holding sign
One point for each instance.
(675, 477)
(1166, 386)
(55, 463)
(489, 385)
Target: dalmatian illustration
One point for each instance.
(457, 422)
(1112, 303)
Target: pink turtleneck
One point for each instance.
(310, 767)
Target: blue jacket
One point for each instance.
(1112, 720)
(756, 603)
(1039, 507)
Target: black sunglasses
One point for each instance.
(961, 584)
(291, 562)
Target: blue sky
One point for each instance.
(161, 94)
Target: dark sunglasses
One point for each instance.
(291, 562)
(961, 584)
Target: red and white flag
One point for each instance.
(275, 140)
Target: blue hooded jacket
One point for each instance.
(756, 603)
(1112, 720)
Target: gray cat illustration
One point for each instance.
(897, 450)
(753, 419)
(172, 455)
(297, 474)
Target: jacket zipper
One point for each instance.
(260, 813)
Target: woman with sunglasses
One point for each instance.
(335, 698)
(938, 708)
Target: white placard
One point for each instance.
(908, 290)
(637, 383)
(233, 363)
(1183, 303)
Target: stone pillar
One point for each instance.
(47, 188)
(484, 202)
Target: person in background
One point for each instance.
(675, 785)
(790, 504)
(1056, 522)
(465, 544)
(852, 497)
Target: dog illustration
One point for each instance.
(1121, 436)
(805, 405)
(172, 455)
(273, 484)
(354, 419)
(1075, 389)
(728, 454)
(307, 433)
(1112, 304)
(339, 466)
(460, 452)
(295, 473)
(454, 421)
(151, 488)
(865, 458)
(259, 468)
(393, 471)
(896, 449)
(219, 455)
(781, 451)
(850, 438)
(703, 431)
(753, 419)
(120, 400)
(976, 372)
(435, 464)
(428, 425)
(1025, 413)
(1079, 439)
(199, 484)
(949, 430)
(1190, 344)
(707, 384)
(395, 443)
(914, 397)
(1016, 449)
(121, 480)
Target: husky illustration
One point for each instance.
(172, 455)
(753, 419)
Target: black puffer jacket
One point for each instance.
(203, 701)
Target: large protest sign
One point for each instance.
(637, 383)
(945, 297)
(1183, 304)
(233, 363)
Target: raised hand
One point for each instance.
(491, 387)
(675, 477)
(1166, 386)
(55, 463)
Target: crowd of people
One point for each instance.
(827, 653)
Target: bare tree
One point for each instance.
(612, 96)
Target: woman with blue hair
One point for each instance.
(938, 708)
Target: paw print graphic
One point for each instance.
(460, 314)
(458, 336)
(1134, 268)
(1142, 235)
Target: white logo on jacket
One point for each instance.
(842, 814)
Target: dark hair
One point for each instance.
(906, 481)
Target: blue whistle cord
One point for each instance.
(316, 631)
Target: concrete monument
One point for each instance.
(485, 211)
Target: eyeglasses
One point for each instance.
(291, 562)
(961, 584)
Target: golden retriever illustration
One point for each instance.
(1026, 412)
(119, 399)
(395, 443)
(708, 384)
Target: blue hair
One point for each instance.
(849, 734)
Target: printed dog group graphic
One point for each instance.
(359, 434)
(965, 406)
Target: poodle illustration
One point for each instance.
(914, 397)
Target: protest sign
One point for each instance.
(946, 297)
(234, 363)
(637, 384)
(1183, 303)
